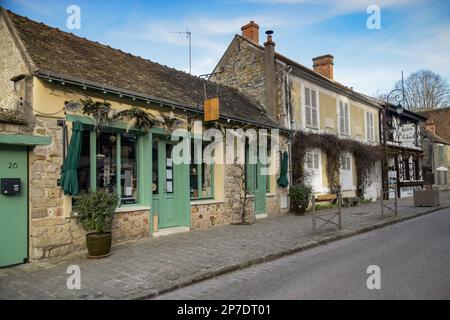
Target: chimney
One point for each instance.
(251, 32)
(430, 126)
(324, 65)
(270, 74)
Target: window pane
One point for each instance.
(313, 99)
(307, 97)
(169, 168)
(83, 169)
(200, 177)
(193, 175)
(314, 117)
(308, 115)
(128, 170)
(207, 180)
(316, 161)
(155, 168)
(308, 161)
(106, 161)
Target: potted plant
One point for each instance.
(300, 195)
(95, 213)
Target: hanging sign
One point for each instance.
(211, 109)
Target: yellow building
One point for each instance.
(309, 100)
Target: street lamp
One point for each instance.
(398, 97)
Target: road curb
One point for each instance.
(208, 274)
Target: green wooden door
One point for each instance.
(256, 181)
(260, 190)
(14, 208)
(171, 197)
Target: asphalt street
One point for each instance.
(413, 259)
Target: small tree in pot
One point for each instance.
(300, 195)
(96, 214)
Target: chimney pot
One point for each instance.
(324, 65)
(251, 32)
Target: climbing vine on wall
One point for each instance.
(365, 156)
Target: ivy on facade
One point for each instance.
(365, 157)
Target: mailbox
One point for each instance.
(10, 186)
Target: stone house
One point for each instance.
(436, 158)
(439, 123)
(304, 99)
(45, 73)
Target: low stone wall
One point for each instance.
(131, 225)
(52, 237)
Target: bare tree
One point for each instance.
(425, 90)
(238, 175)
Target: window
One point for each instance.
(200, 178)
(416, 169)
(370, 136)
(406, 169)
(106, 162)
(344, 118)
(155, 167)
(441, 154)
(128, 169)
(109, 161)
(312, 161)
(442, 177)
(346, 162)
(83, 170)
(311, 114)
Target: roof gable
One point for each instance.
(331, 84)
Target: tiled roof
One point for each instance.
(63, 53)
(434, 137)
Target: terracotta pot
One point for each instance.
(98, 245)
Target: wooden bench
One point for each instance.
(327, 217)
(326, 198)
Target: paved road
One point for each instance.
(413, 256)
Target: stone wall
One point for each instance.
(11, 65)
(131, 225)
(243, 69)
(58, 236)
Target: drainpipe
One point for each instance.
(270, 74)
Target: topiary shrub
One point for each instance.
(96, 210)
(300, 195)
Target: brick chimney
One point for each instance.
(251, 32)
(430, 126)
(324, 65)
(271, 77)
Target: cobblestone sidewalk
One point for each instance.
(156, 265)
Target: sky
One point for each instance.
(413, 34)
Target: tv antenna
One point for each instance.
(188, 36)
